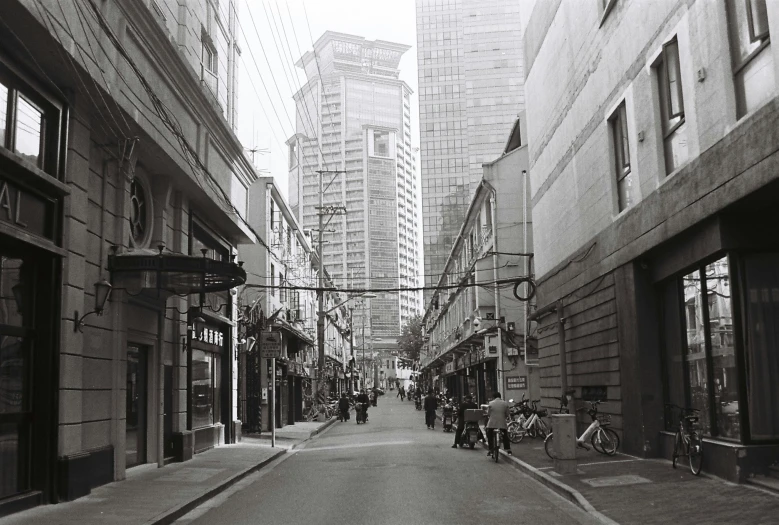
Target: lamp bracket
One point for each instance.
(78, 322)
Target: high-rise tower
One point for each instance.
(470, 92)
(354, 115)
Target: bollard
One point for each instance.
(564, 444)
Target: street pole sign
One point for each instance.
(270, 345)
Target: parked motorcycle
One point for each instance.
(447, 416)
(471, 429)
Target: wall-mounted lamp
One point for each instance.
(102, 291)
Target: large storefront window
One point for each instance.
(761, 332)
(205, 388)
(700, 358)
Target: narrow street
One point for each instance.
(399, 471)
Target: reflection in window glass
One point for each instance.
(723, 354)
(202, 389)
(3, 112)
(9, 459)
(29, 125)
(695, 356)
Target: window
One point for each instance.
(381, 143)
(293, 155)
(272, 280)
(140, 218)
(699, 353)
(753, 69)
(206, 385)
(627, 189)
(669, 76)
(29, 123)
(282, 291)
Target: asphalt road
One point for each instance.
(392, 470)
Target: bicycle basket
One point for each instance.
(604, 419)
(542, 413)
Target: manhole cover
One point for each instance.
(627, 479)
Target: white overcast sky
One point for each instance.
(265, 106)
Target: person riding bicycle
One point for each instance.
(343, 407)
(497, 413)
(362, 397)
(467, 404)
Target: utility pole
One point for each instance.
(320, 318)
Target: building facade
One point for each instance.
(354, 123)
(475, 325)
(117, 246)
(470, 92)
(653, 164)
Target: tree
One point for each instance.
(411, 338)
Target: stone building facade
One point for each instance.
(653, 165)
(120, 172)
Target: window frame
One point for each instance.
(754, 37)
(620, 137)
(673, 43)
(51, 159)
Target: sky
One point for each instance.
(266, 82)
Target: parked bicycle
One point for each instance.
(603, 439)
(687, 441)
(529, 423)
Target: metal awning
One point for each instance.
(176, 273)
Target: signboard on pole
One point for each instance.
(270, 345)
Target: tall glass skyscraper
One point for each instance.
(470, 92)
(354, 115)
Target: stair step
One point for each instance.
(765, 482)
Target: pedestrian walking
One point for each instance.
(401, 393)
(431, 404)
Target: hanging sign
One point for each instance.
(270, 345)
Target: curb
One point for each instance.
(569, 493)
(185, 508)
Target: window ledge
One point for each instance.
(42, 179)
(606, 11)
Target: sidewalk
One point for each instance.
(627, 490)
(153, 496)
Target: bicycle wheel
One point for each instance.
(677, 448)
(516, 432)
(496, 441)
(605, 441)
(542, 429)
(695, 453)
(549, 445)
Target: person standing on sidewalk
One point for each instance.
(431, 404)
(497, 413)
(467, 404)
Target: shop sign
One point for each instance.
(208, 336)
(25, 210)
(449, 367)
(516, 383)
(270, 345)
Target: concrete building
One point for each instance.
(354, 118)
(475, 324)
(470, 92)
(654, 167)
(269, 304)
(120, 173)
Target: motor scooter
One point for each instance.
(471, 431)
(447, 416)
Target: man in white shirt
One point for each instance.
(497, 414)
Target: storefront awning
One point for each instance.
(175, 273)
(293, 331)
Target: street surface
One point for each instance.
(392, 470)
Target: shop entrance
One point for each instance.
(136, 398)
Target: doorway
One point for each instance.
(136, 399)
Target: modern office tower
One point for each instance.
(470, 92)
(353, 114)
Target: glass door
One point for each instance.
(135, 439)
(15, 374)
